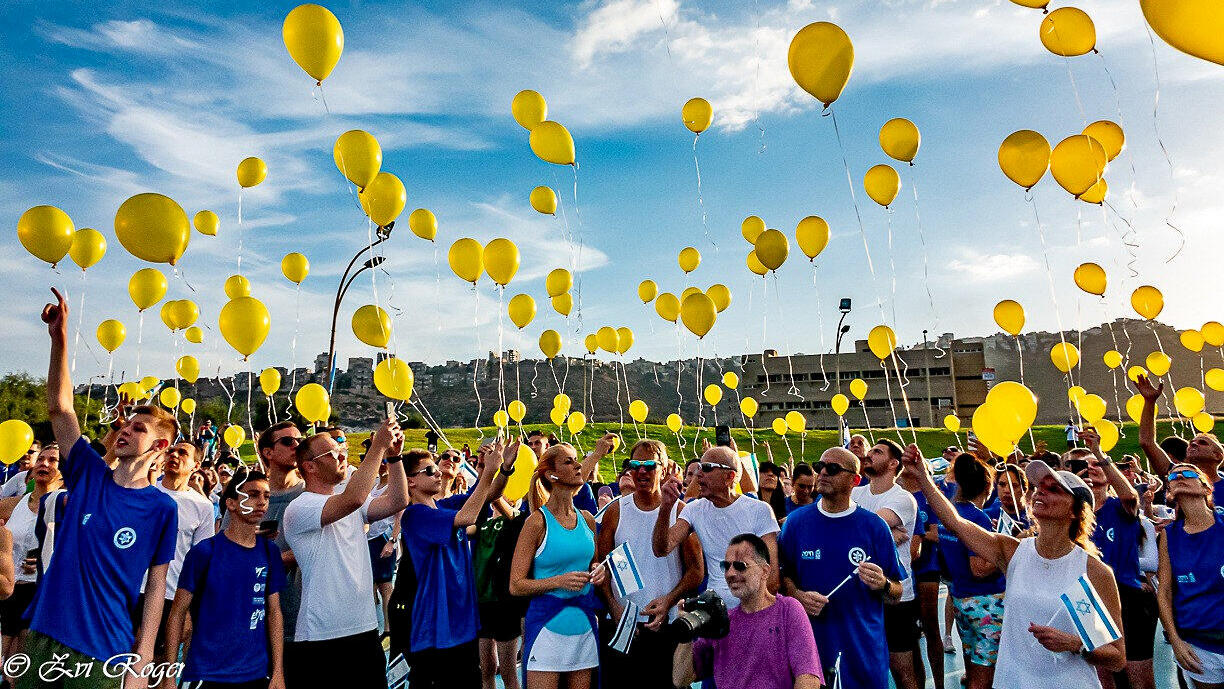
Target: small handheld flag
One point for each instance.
(624, 571)
(626, 629)
(1091, 619)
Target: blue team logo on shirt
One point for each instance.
(1222, 571)
(857, 556)
(125, 538)
(1109, 534)
(810, 554)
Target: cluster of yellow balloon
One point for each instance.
(612, 340)
(179, 314)
(499, 259)
(1008, 412)
(550, 141)
(558, 283)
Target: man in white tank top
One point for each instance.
(631, 519)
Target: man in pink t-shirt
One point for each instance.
(770, 645)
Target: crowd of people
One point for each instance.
(136, 560)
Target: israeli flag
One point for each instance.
(470, 472)
(626, 629)
(397, 672)
(1088, 613)
(625, 576)
(1006, 524)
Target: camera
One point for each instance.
(702, 616)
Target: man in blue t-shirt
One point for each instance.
(115, 528)
(231, 584)
(839, 561)
(444, 625)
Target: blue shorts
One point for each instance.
(383, 567)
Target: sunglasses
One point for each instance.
(430, 470)
(448, 457)
(648, 465)
(737, 565)
(830, 468)
(289, 441)
(1184, 473)
(707, 467)
(336, 454)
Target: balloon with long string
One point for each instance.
(697, 114)
(88, 247)
(900, 140)
(1190, 26)
(251, 172)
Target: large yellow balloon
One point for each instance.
(188, 368)
(624, 340)
(557, 416)
(1147, 301)
(1134, 372)
(713, 394)
(1188, 401)
(358, 156)
(755, 265)
(647, 291)
(840, 404)
(520, 481)
(697, 115)
(251, 172)
(638, 411)
(562, 303)
(576, 422)
(237, 286)
(153, 228)
(111, 334)
(881, 340)
(795, 422)
(1215, 379)
(1192, 26)
(1016, 406)
(393, 378)
(552, 143)
(372, 325)
(812, 236)
(188, 406)
(1158, 363)
(183, 312)
(88, 247)
(170, 398)
(269, 381)
(1065, 356)
(544, 200)
(529, 109)
(1109, 134)
(698, 314)
(1134, 407)
(383, 199)
(721, 295)
(687, 291)
(607, 338)
(772, 248)
(994, 429)
(1092, 408)
(820, 59)
(16, 438)
(751, 228)
(1009, 315)
(194, 334)
(1192, 340)
(244, 324)
(501, 418)
(1067, 32)
(295, 267)
(1024, 156)
(858, 388)
(689, 258)
(234, 436)
(312, 402)
(952, 422)
(314, 39)
(147, 286)
(899, 139)
(779, 426)
(550, 343)
(1203, 422)
(1091, 278)
(731, 380)
(668, 307)
(501, 260)
(1113, 358)
(46, 232)
(882, 184)
(522, 310)
(423, 223)
(1213, 333)
(748, 407)
(1034, 4)
(206, 223)
(517, 410)
(148, 383)
(558, 282)
(1075, 392)
(563, 402)
(1108, 432)
(466, 257)
(1077, 163)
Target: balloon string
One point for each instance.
(250, 422)
(419, 404)
(139, 343)
(240, 233)
(888, 390)
(1114, 374)
(578, 261)
(867, 420)
(476, 366)
(764, 324)
(76, 340)
(756, 77)
(790, 365)
(1164, 395)
(819, 328)
(501, 359)
(1113, 85)
(705, 225)
(554, 375)
(1020, 353)
(535, 372)
(1129, 237)
(297, 322)
(892, 267)
(857, 213)
(1045, 252)
(1181, 236)
(700, 393)
(926, 267)
(619, 410)
(628, 396)
(909, 416)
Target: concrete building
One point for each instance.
(320, 365)
(361, 373)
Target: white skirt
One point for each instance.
(553, 652)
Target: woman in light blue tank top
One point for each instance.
(554, 566)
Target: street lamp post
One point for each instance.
(384, 233)
(844, 307)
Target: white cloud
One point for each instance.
(991, 267)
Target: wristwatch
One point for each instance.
(502, 470)
(393, 459)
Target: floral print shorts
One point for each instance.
(979, 619)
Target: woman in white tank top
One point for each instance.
(1039, 647)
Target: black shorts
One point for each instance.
(383, 567)
(457, 667)
(1139, 613)
(931, 577)
(901, 626)
(14, 607)
(500, 621)
(353, 662)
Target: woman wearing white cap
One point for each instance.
(1037, 647)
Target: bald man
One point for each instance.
(716, 516)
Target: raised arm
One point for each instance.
(590, 463)
(396, 497)
(489, 486)
(64, 423)
(363, 479)
(1158, 458)
(666, 536)
(1117, 480)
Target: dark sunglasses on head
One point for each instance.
(648, 465)
(737, 565)
(289, 441)
(1184, 473)
(830, 468)
(430, 470)
(707, 467)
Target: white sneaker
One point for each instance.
(947, 643)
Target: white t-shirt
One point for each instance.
(716, 526)
(195, 523)
(902, 503)
(13, 487)
(336, 572)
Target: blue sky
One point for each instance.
(105, 101)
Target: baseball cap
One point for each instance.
(1037, 470)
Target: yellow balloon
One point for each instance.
(1065, 356)
(194, 334)
(1191, 26)
(1192, 340)
(295, 267)
(148, 383)
(1034, 4)
(147, 286)
(372, 325)
(358, 156)
(130, 390)
(755, 265)
(550, 343)
(1147, 301)
(185, 312)
(882, 341)
(16, 438)
(1213, 333)
(111, 334)
(1067, 32)
(423, 224)
(1110, 135)
(1134, 372)
(721, 295)
(466, 257)
(840, 404)
(170, 398)
(558, 282)
(1096, 193)
(312, 402)
(153, 228)
(1091, 278)
(188, 406)
(772, 248)
(314, 39)
(529, 109)
(687, 291)
(520, 481)
(251, 172)
(1077, 163)
(269, 381)
(206, 223)
(751, 228)
(713, 394)
(501, 418)
(858, 388)
(167, 315)
(383, 199)
(607, 338)
(812, 236)
(188, 368)
(237, 286)
(697, 115)
(1203, 422)
(1075, 392)
(779, 426)
(674, 423)
(882, 184)
(638, 411)
(689, 259)
(501, 260)
(1009, 315)
(562, 401)
(592, 343)
(393, 378)
(522, 310)
(820, 59)
(647, 291)
(544, 200)
(1113, 358)
(990, 424)
(244, 324)
(624, 340)
(46, 232)
(1158, 363)
(1015, 407)
(1092, 408)
(1024, 156)
(731, 380)
(1188, 402)
(552, 143)
(668, 307)
(952, 422)
(698, 314)
(1134, 407)
(563, 303)
(576, 422)
(899, 139)
(235, 435)
(748, 407)
(1108, 432)
(1215, 379)
(795, 422)
(88, 247)
(517, 410)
